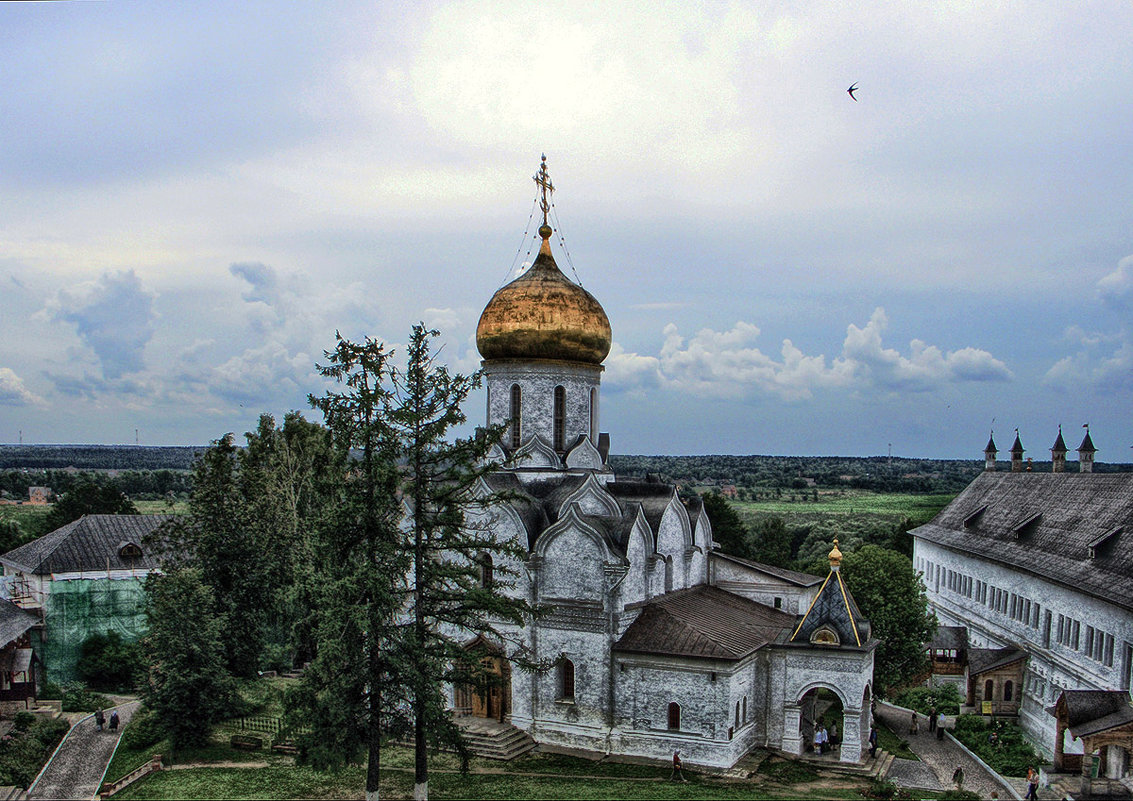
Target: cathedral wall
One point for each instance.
(707, 692)
(962, 591)
(761, 587)
(573, 568)
(581, 721)
(537, 381)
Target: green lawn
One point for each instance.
(857, 502)
(894, 744)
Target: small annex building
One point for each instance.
(658, 641)
(20, 669)
(83, 578)
(1037, 569)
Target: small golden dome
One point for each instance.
(835, 555)
(542, 314)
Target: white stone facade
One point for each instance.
(537, 381)
(1002, 606)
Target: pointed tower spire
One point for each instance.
(1086, 452)
(989, 453)
(1058, 453)
(1017, 454)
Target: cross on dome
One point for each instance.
(543, 180)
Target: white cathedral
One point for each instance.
(659, 641)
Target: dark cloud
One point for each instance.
(113, 316)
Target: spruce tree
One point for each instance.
(462, 571)
(352, 695)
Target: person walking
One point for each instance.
(677, 775)
(832, 734)
(958, 777)
(99, 719)
(914, 724)
(932, 718)
(872, 742)
(1032, 785)
(114, 720)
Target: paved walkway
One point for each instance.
(941, 756)
(77, 767)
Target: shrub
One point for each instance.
(946, 699)
(145, 729)
(23, 720)
(1010, 755)
(107, 662)
(77, 698)
(22, 753)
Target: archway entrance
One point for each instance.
(490, 695)
(822, 714)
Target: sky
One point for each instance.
(194, 198)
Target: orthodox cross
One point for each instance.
(546, 187)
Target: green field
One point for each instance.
(891, 506)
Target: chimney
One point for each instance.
(1017, 455)
(989, 454)
(1058, 453)
(1086, 452)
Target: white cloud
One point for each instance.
(113, 316)
(1116, 288)
(728, 364)
(1090, 365)
(13, 392)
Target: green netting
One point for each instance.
(79, 608)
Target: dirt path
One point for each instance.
(78, 765)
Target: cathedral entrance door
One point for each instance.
(492, 700)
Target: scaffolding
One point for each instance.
(77, 608)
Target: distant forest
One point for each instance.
(149, 470)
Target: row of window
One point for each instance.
(558, 411)
(1097, 644)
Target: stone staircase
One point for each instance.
(494, 740)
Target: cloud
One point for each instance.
(262, 279)
(1090, 365)
(113, 316)
(728, 364)
(13, 392)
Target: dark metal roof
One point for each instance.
(653, 497)
(789, 576)
(981, 660)
(14, 621)
(1087, 444)
(703, 622)
(529, 508)
(834, 607)
(89, 543)
(1059, 445)
(1076, 509)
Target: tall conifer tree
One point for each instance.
(461, 569)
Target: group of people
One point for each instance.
(825, 738)
(100, 720)
(936, 723)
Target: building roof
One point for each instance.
(833, 608)
(14, 621)
(789, 576)
(92, 542)
(1059, 445)
(1087, 445)
(703, 622)
(1074, 510)
(981, 660)
(1092, 711)
(950, 637)
(653, 496)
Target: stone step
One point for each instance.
(499, 742)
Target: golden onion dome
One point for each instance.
(835, 555)
(542, 314)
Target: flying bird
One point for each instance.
(851, 91)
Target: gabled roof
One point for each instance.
(89, 543)
(950, 637)
(704, 622)
(781, 573)
(1093, 711)
(1077, 509)
(14, 621)
(981, 660)
(834, 608)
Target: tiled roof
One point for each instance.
(704, 622)
(1075, 509)
(90, 543)
(981, 660)
(789, 576)
(14, 621)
